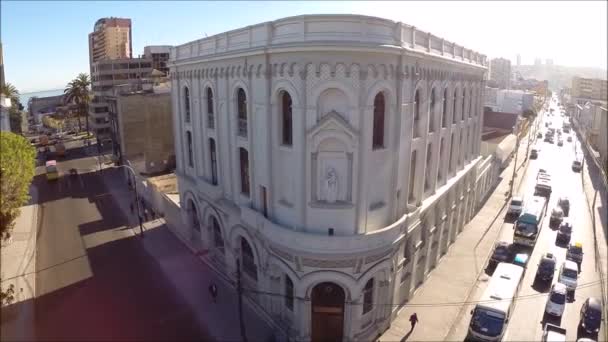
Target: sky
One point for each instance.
(45, 43)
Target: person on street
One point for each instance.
(213, 292)
(413, 320)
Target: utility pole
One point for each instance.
(514, 165)
(239, 292)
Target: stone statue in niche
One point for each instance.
(331, 185)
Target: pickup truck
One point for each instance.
(553, 333)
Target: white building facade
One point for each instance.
(334, 158)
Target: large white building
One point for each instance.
(335, 158)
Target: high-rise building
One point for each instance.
(500, 72)
(587, 89)
(159, 55)
(110, 39)
(518, 59)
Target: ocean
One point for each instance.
(26, 96)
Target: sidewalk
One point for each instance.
(453, 279)
(189, 274)
(18, 265)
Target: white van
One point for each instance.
(568, 275)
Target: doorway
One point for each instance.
(327, 323)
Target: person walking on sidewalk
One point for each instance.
(413, 320)
(213, 291)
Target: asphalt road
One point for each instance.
(94, 279)
(527, 319)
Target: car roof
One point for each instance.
(594, 303)
(559, 288)
(571, 265)
(517, 198)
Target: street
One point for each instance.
(528, 318)
(95, 281)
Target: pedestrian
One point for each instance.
(213, 291)
(413, 320)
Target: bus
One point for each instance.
(490, 316)
(529, 223)
(51, 170)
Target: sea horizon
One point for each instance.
(25, 97)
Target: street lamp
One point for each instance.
(141, 227)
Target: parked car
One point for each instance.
(564, 203)
(516, 206)
(560, 142)
(502, 252)
(568, 275)
(569, 139)
(557, 215)
(556, 301)
(575, 252)
(546, 268)
(539, 135)
(521, 259)
(564, 233)
(577, 166)
(591, 315)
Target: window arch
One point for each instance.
(244, 163)
(187, 104)
(454, 118)
(378, 124)
(286, 119)
(432, 111)
(241, 99)
(416, 125)
(368, 296)
(210, 117)
(444, 114)
(248, 260)
(288, 293)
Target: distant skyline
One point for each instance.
(51, 46)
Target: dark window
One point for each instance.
(378, 130)
(432, 112)
(451, 156)
(444, 115)
(416, 114)
(455, 106)
(472, 95)
(218, 240)
(210, 118)
(412, 175)
(248, 261)
(288, 293)
(244, 158)
(286, 119)
(213, 156)
(464, 98)
(441, 148)
(242, 112)
(368, 296)
(187, 104)
(190, 152)
(429, 156)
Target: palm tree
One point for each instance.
(11, 92)
(78, 93)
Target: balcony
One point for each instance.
(242, 128)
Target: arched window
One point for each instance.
(464, 98)
(244, 161)
(417, 114)
(432, 112)
(210, 117)
(187, 104)
(286, 119)
(427, 167)
(218, 240)
(378, 127)
(213, 157)
(288, 293)
(190, 151)
(242, 112)
(368, 296)
(452, 149)
(248, 261)
(412, 193)
(454, 117)
(441, 150)
(444, 114)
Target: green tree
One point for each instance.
(78, 93)
(17, 164)
(11, 92)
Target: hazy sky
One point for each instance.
(45, 43)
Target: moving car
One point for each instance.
(556, 301)
(577, 166)
(564, 203)
(591, 315)
(516, 206)
(51, 170)
(568, 274)
(575, 252)
(557, 215)
(546, 268)
(564, 233)
(521, 259)
(502, 252)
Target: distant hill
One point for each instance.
(558, 76)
